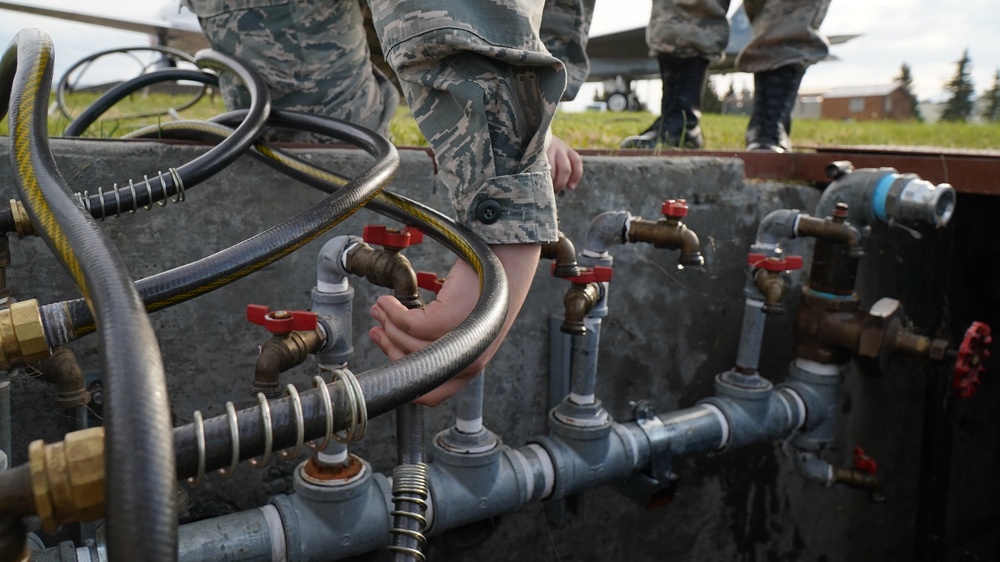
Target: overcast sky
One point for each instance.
(929, 35)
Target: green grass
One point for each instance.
(587, 130)
(604, 131)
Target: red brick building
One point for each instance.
(867, 103)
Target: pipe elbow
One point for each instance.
(331, 266)
(64, 370)
(579, 301)
(563, 253)
(404, 282)
(606, 229)
(814, 469)
(385, 268)
(777, 226)
(690, 248)
(280, 353)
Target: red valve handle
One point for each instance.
(674, 208)
(597, 274)
(281, 321)
(971, 355)
(863, 462)
(430, 281)
(785, 263)
(381, 235)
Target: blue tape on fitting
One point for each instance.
(881, 194)
(830, 296)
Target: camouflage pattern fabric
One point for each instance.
(483, 90)
(312, 55)
(479, 81)
(784, 31)
(565, 30)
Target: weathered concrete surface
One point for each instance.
(669, 332)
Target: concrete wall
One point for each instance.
(669, 332)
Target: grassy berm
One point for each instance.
(590, 130)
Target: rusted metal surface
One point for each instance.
(968, 171)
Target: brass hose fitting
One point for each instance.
(22, 336)
(563, 253)
(833, 230)
(860, 480)
(386, 267)
(671, 234)
(67, 478)
(579, 300)
(280, 353)
(22, 223)
(771, 285)
(64, 370)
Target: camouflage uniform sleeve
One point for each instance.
(565, 32)
(483, 90)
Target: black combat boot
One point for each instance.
(773, 99)
(680, 107)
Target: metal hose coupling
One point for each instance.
(67, 478)
(885, 195)
(22, 335)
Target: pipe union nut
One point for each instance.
(22, 336)
(67, 478)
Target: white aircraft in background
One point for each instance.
(172, 26)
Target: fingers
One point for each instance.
(576, 165)
(560, 166)
(565, 164)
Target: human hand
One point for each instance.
(402, 331)
(565, 163)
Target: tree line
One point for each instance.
(961, 104)
(959, 107)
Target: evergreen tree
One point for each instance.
(905, 79)
(991, 113)
(710, 102)
(959, 107)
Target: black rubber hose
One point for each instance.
(132, 195)
(139, 457)
(69, 320)
(121, 91)
(173, 55)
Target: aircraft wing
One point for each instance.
(175, 33)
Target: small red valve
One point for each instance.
(430, 281)
(971, 355)
(863, 462)
(785, 263)
(675, 208)
(597, 274)
(281, 321)
(381, 235)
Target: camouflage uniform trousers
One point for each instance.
(784, 31)
(565, 30)
(312, 55)
(477, 77)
